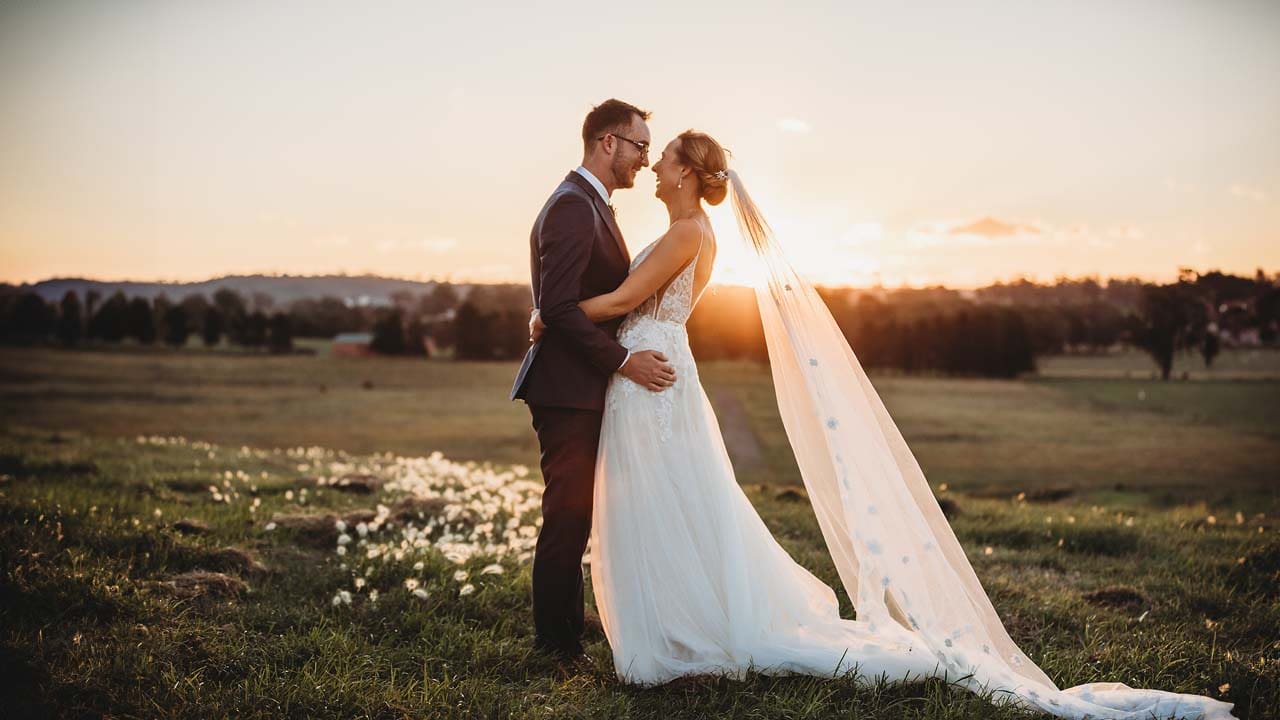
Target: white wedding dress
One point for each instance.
(688, 579)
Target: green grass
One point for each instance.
(86, 631)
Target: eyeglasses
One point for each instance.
(643, 147)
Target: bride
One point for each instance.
(687, 577)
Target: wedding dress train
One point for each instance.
(688, 579)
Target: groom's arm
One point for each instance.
(565, 247)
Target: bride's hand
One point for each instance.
(535, 325)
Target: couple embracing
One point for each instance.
(687, 578)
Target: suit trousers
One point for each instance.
(569, 438)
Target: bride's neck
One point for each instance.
(683, 207)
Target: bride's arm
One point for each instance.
(673, 250)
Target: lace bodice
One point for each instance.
(659, 324)
(675, 303)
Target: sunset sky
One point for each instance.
(902, 143)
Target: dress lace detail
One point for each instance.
(659, 324)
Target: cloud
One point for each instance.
(994, 232)
(990, 227)
(792, 125)
(1247, 191)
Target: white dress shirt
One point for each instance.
(599, 186)
(595, 182)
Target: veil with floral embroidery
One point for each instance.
(896, 554)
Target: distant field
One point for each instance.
(1251, 363)
(1132, 440)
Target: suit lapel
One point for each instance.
(603, 208)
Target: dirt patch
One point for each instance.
(950, 508)
(239, 560)
(358, 483)
(1048, 495)
(187, 486)
(739, 439)
(1038, 495)
(319, 530)
(202, 583)
(190, 526)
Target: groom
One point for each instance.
(576, 252)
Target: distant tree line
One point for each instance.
(996, 331)
(26, 319)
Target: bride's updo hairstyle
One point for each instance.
(704, 155)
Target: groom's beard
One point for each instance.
(624, 174)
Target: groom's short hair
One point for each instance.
(609, 116)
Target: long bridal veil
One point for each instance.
(896, 554)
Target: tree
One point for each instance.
(234, 315)
(415, 335)
(139, 322)
(442, 298)
(255, 330)
(1210, 347)
(32, 319)
(388, 333)
(279, 333)
(1268, 314)
(70, 320)
(110, 323)
(175, 326)
(91, 299)
(471, 330)
(263, 302)
(1169, 319)
(211, 329)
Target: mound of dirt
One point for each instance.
(190, 526)
(319, 530)
(239, 560)
(202, 583)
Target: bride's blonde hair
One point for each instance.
(710, 164)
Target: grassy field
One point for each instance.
(1235, 364)
(1143, 550)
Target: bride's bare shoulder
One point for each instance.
(681, 239)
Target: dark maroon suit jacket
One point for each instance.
(575, 252)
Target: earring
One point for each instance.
(680, 183)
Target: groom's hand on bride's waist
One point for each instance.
(650, 369)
